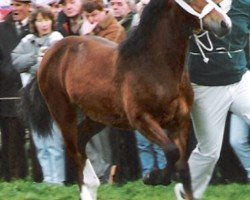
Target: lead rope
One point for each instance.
(201, 45)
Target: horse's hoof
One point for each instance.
(156, 177)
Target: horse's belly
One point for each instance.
(104, 110)
(109, 118)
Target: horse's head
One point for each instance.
(210, 15)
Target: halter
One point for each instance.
(207, 9)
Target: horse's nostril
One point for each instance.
(224, 25)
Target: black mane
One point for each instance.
(137, 40)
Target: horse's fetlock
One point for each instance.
(173, 155)
(184, 175)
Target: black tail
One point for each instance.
(34, 110)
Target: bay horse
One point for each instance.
(140, 84)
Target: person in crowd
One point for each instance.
(103, 24)
(12, 30)
(141, 5)
(1, 17)
(152, 158)
(239, 134)
(54, 5)
(70, 18)
(239, 141)
(99, 23)
(26, 57)
(221, 83)
(125, 12)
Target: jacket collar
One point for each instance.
(104, 24)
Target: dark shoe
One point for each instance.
(156, 177)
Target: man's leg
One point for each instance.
(209, 115)
(239, 140)
(145, 154)
(56, 155)
(13, 148)
(241, 107)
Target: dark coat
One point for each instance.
(63, 25)
(10, 81)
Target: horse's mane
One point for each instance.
(137, 40)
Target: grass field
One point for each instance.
(25, 190)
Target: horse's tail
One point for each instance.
(34, 109)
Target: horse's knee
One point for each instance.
(211, 156)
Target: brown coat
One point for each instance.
(110, 29)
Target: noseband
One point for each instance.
(207, 9)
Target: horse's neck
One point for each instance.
(160, 44)
(170, 40)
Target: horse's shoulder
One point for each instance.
(73, 38)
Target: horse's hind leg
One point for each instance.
(64, 114)
(87, 129)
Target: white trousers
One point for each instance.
(209, 112)
(240, 141)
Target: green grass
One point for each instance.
(25, 190)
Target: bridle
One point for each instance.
(207, 9)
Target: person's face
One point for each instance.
(120, 8)
(43, 25)
(55, 9)
(72, 8)
(96, 16)
(19, 10)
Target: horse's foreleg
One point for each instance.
(181, 165)
(151, 129)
